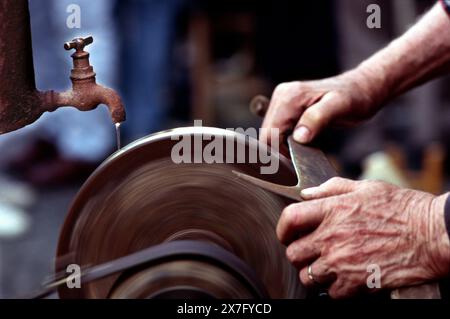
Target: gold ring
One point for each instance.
(311, 275)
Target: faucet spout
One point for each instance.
(86, 98)
(112, 100)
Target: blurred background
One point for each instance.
(177, 60)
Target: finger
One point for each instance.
(278, 117)
(333, 187)
(341, 289)
(283, 112)
(299, 218)
(277, 140)
(303, 251)
(321, 274)
(315, 118)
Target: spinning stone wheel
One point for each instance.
(214, 233)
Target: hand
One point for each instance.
(345, 226)
(310, 106)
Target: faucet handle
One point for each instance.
(78, 44)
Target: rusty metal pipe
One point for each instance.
(20, 102)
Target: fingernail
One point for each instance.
(309, 192)
(302, 134)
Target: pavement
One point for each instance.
(27, 259)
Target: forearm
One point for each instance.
(421, 54)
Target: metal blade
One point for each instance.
(292, 192)
(311, 165)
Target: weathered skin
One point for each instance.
(349, 225)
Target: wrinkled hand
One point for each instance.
(345, 226)
(307, 107)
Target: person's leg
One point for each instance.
(148, 32)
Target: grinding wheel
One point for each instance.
(140, 198)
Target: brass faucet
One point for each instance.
(85, 94)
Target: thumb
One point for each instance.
(315, 118)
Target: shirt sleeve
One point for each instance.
(447, 214)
